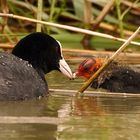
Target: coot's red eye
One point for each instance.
(58, 50)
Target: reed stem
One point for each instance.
(39, 15)
(90, 80)
(71, 28)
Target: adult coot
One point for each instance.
(22, 73)
(116, 77)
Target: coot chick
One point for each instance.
(115, 78)
(22, 73)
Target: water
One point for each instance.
(87, 118)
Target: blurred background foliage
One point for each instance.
(119, 18)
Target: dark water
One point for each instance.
(87, 118)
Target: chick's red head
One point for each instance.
(88, 67)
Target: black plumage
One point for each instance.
(118, 78)
(22, 73)
(19, 80)
(115, 78)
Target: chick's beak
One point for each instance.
(76, 75)
(65, 69)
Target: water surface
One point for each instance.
(87, 118)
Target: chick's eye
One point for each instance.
(84, 67)
(87, 67)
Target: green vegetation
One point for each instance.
(121, 20)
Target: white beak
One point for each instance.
(65, 69)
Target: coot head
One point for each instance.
(43, 52)
(88, 67)
(22, 73)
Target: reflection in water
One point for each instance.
(44, 107)
(86, 106)
(102, 119)
(88, 118)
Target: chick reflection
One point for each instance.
(86, 106)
